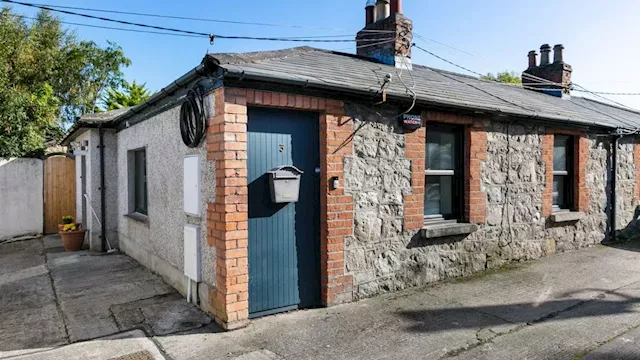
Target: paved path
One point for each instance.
(582, 303)
(49, 298)
(578, 305)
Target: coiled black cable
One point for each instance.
(193, 118)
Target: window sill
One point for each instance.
(138, 217)
(566, 216)
(442, 230)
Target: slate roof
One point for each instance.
(348, 72)
(102, 117)
(89, 120)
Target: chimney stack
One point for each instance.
(550, 78)
(396, 6)
(545, 50)
(388, 39)
(383, 9)
(370, 11)
(533, 59)
(558, 56)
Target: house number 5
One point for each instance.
(281, 147)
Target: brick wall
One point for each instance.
(581, 153)
(476, 153)
(547, 159)
(414, 203)
(227, 220)
(228, 213)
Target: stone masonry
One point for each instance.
(385, 255)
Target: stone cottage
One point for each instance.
(403, 174)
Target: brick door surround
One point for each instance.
(227, 215)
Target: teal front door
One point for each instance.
(284, 239)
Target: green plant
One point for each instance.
(48, 78)
(68, 219)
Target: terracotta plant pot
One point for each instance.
(72, 240)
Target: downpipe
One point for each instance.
(614, 175)
(103, 207)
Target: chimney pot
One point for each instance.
(396, 6)
(370, 13)
(383, 9)
(545, 50)
(558, 55)
(533, 59)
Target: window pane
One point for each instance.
(438, 199)
(140, 182)
(559, 191)
(441, 150)
(560, 153)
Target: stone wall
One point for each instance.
(625, 182)
(381, 256)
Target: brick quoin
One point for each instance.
(547, 158)
(414, 202)
(227, 215)
(475, 200)
(227, 221)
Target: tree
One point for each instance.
(509, 77)
(129, 94)
(47, 79)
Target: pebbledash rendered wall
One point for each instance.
(158, 241)
(384, 255)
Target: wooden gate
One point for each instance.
(59, 191)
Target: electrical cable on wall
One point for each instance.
(193, 118)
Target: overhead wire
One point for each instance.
(211, 36)
(409, 89)
(424, 38)
(121, 29)
(201, 19)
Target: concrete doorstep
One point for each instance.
(578, 305)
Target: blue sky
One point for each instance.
(600, 37)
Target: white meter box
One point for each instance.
(192, 185)
(192, 252)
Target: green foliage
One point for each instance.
(129, 94)
(47, 79)
(509, 77)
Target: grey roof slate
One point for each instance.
(330, 69)
(101, 117)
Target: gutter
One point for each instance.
(183, 81)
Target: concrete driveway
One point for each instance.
(577, 305)
(49, 298)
